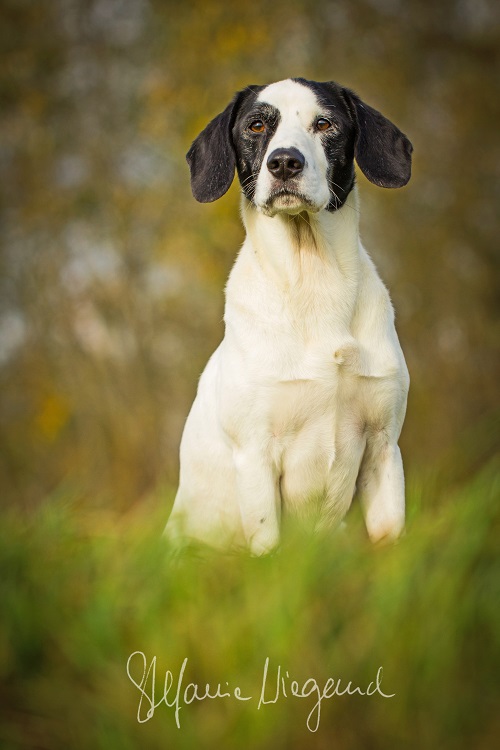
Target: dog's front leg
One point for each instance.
(381, 491)
(259, 500)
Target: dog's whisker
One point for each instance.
(337, 199)
(251, 176)
(303, 217)
(336, 184)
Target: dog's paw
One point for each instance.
(264, 541)
(388, 532)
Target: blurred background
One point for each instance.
(111, 302)
(111, 275)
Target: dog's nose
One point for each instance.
(285, 163)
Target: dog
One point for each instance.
(301, 406)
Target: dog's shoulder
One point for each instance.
(373, 326)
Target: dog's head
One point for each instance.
(293, 144)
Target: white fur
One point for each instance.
(302, 403)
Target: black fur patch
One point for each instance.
(251, 147)
(212, 157)
(338, 142)
(382, 151)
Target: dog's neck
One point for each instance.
(289, 246)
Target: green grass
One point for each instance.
(81, 591)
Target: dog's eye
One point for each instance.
(323, 124)
(257, 126)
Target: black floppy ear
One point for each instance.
(382, 151)
(211, 158)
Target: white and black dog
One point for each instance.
(302, 404)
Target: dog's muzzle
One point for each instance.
(286, 166)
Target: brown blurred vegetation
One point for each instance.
(111, 275)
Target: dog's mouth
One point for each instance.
(288, 200)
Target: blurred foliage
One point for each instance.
(111, 275)
(82, 591)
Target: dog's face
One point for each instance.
(293, 144)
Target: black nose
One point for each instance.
(284, 163)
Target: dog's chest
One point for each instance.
(295, 381)
(316, 437)
(317, 410)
